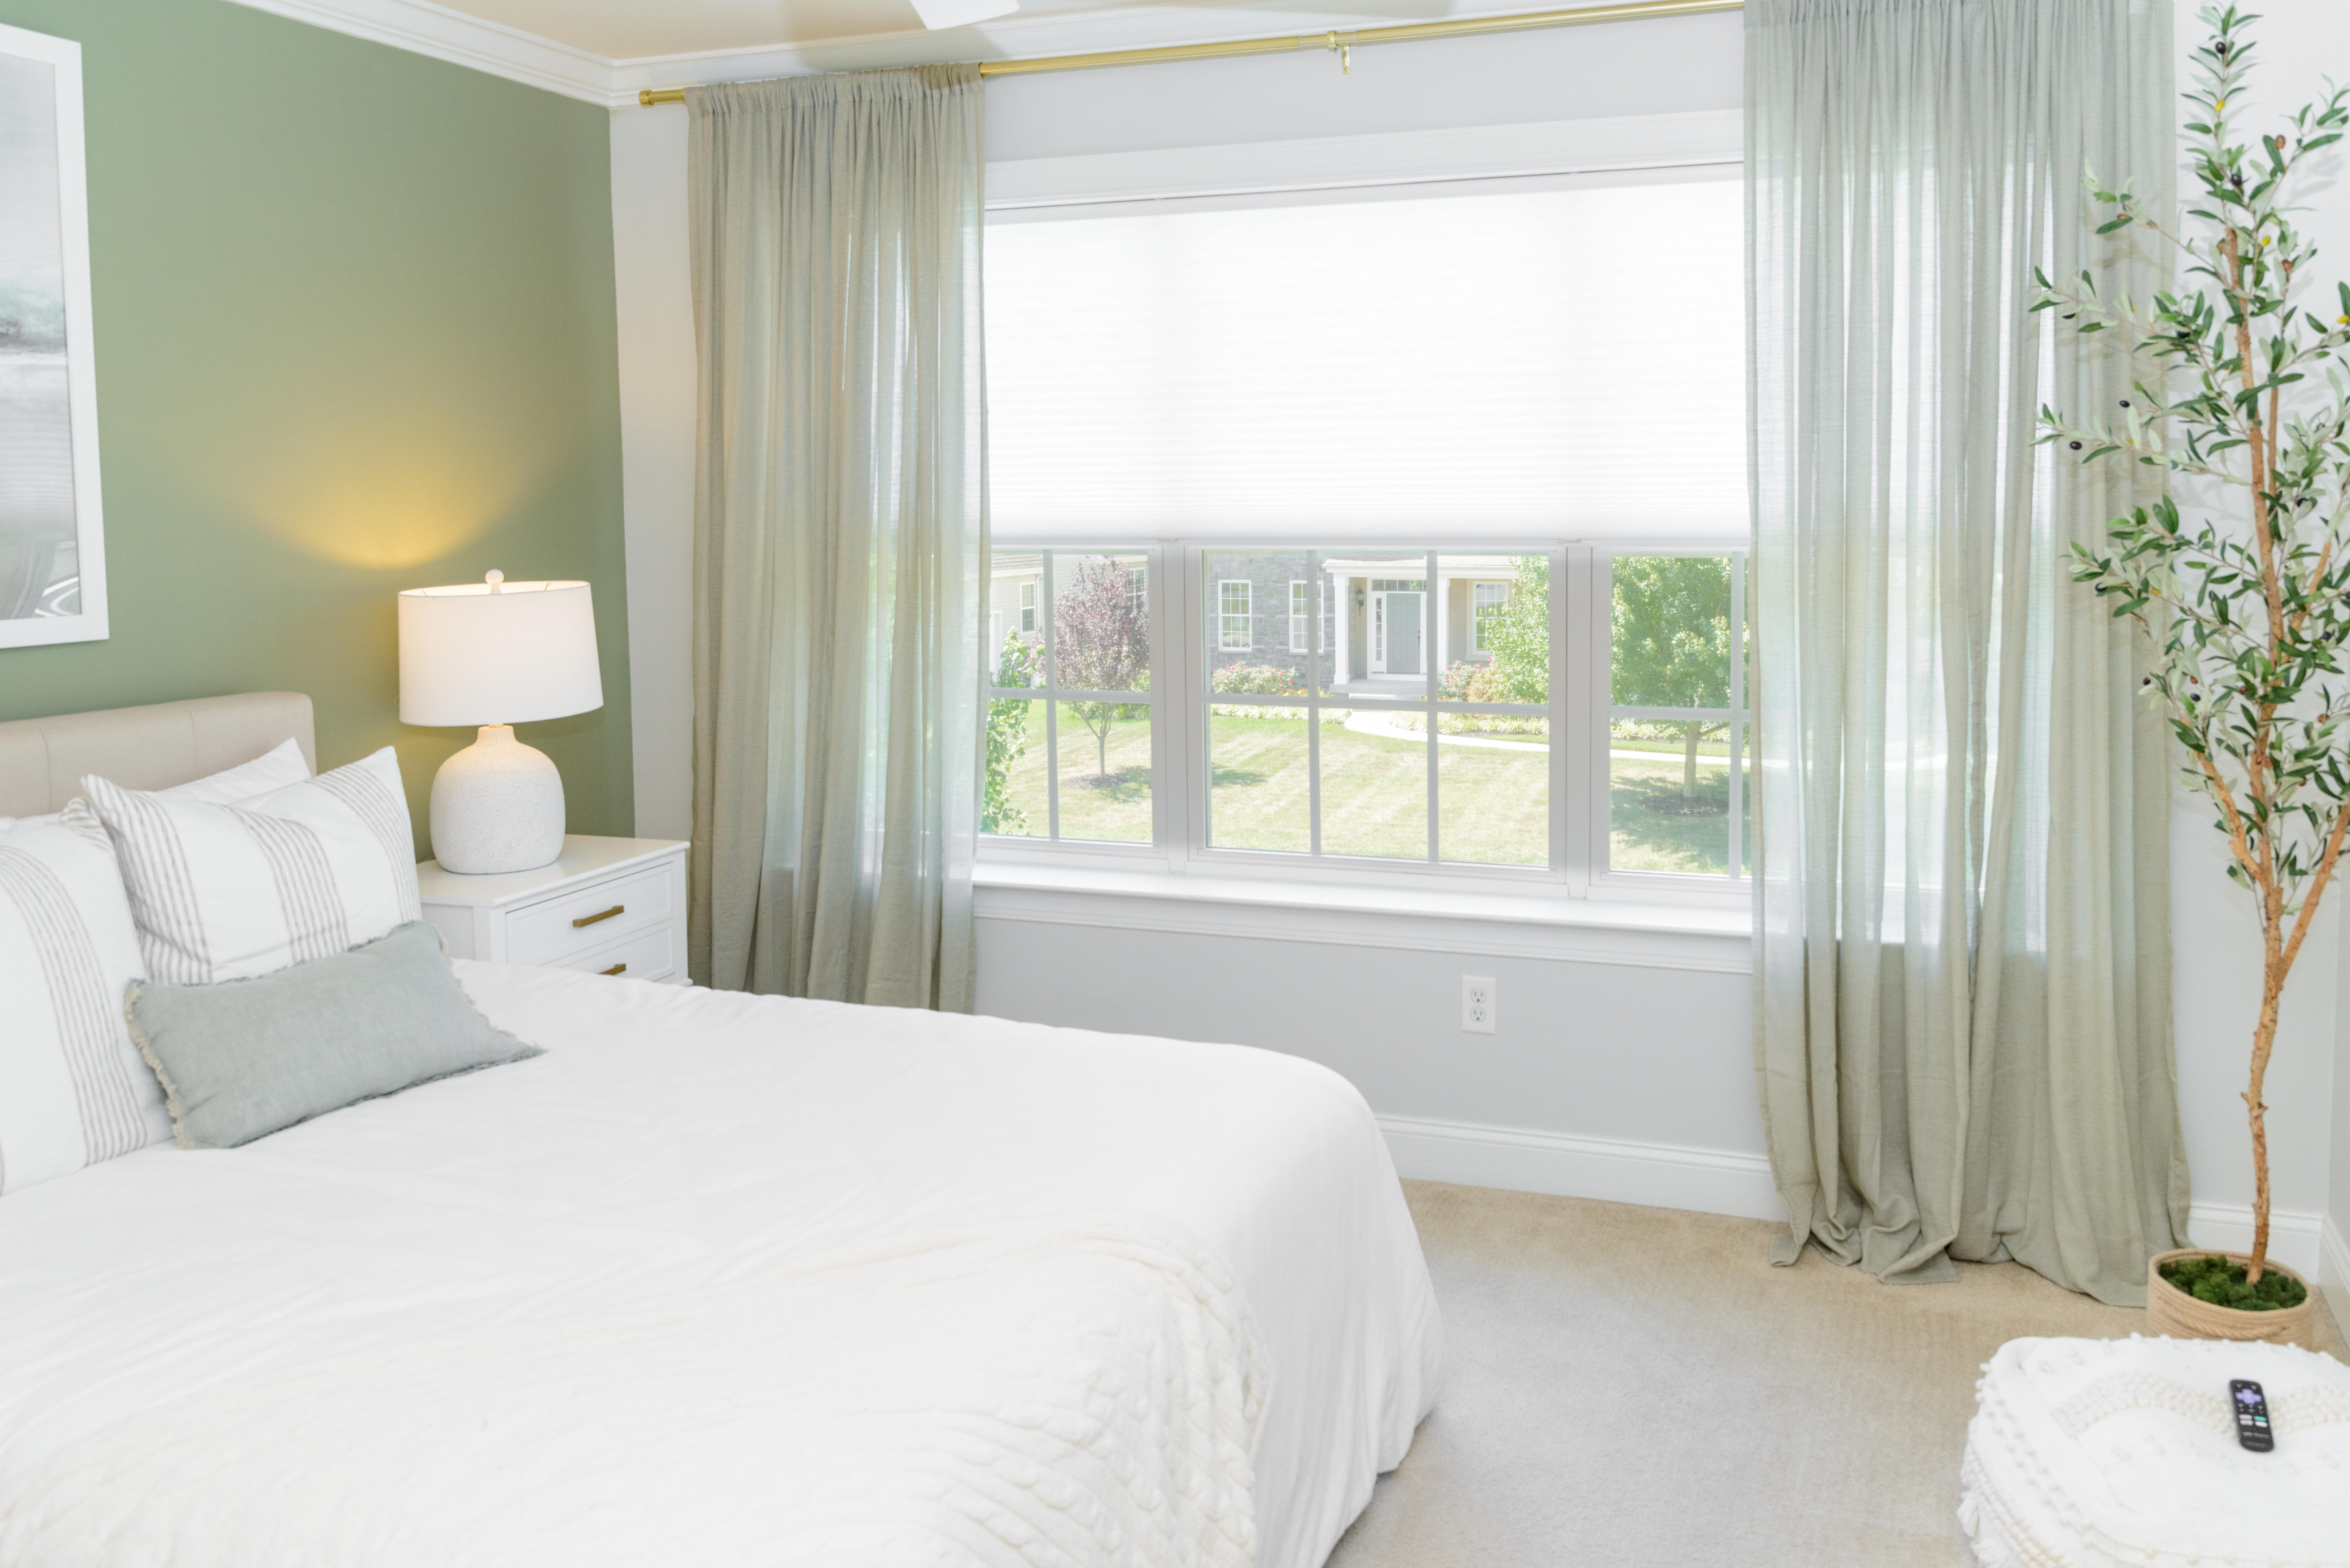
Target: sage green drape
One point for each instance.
(1963, 936)
(839, 531)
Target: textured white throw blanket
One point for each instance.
(1085, 1390)
(2122, 1453)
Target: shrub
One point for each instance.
(1264, 679)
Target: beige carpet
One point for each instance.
(1635, 1386)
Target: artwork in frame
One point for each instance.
(52, 546)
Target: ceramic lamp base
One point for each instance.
(497, 805)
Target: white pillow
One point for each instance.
(230, 892)
(274, 769)
(73, 1089)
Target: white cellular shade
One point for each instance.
(1565, 362)
(472, 656)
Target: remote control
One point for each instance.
(2252, 1415)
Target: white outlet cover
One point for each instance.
(1480, 1003)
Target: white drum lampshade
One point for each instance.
(496, 654)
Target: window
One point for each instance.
(1486, 600)
(1068, 748)
(1678, 790)
(1028, 608)
(1543, 682)
(1232, 616)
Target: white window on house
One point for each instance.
(1544, 682)
(1027, 608)
(1234, 634)
(1486, 600)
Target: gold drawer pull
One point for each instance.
(615, 968)
(591, 920)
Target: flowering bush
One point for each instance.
(1266, 679)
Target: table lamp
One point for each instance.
(497, 654)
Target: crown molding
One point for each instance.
(422, 27)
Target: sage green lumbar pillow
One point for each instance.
(242, 1058)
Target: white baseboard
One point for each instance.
(2334, 1271)
(1520, 1160)
(2293, 1234)
(1712, 1181)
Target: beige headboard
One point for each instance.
(42, 760)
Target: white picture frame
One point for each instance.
(52, 531)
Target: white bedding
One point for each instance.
(453, 1259)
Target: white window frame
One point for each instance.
(1301, 609)
(1225, 616)
(1183, 656)
(1028, 597)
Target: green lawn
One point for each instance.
(1494, 805)
(1651, 826)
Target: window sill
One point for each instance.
(1711, 937)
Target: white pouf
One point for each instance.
(2096, 1453)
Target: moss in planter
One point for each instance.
(2216, 1279)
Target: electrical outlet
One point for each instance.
(1478, 1003)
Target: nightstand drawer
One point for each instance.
(650, 954)
(553, 932)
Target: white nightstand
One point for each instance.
(609, 906)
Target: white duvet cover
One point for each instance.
(721, 1280)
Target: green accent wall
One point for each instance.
(355, 334)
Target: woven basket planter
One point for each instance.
(2172, 1311)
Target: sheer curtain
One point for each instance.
(1962, 941)
(839, 525)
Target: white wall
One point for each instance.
(2302, 42)
(1624, 1081)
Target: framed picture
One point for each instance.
(52, 546)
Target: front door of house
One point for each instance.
(1395, 633)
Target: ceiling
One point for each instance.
(642, 29)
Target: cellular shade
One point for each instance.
(477, 654)
(1559, 362)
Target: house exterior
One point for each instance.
(1380, 623)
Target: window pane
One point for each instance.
(1493, 799)
(1101, 624)
(1670, 631)
(1249, 629)
(1014, 578)
(1257, 779)
(1494, 623)
(1382, 631)
(1374, 784)
(1670, 778)
(1666, 811)
(1106, 772)
(1013, 800)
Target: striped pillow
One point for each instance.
(73, 1089)
(231, 892)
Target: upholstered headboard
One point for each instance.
(42, 760)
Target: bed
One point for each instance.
(716, 1279)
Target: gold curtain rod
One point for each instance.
(1411, 32)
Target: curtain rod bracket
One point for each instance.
(1346, 51)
